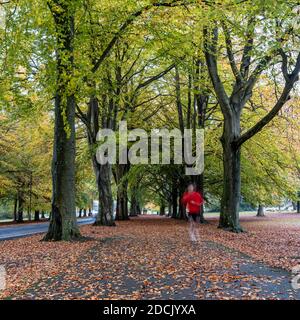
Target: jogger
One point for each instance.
(192, 200)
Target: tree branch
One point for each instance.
(127, 23)
(230, 54)
(285, 95)
(210, 50)
(154, 78)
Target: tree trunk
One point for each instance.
(43, 214)
(102, 172)
(134, 205)
(162, 209)
(15, 208)
(174, 201)
(260, 211)
(105, 208)
(28, 214)
(36, 215)
(169, 208)
(229, 217)
(20, 206)
(298, 206)
(80, 213)
(122, 194)
(122, 206)
(90, 212)
(63, 225)
(84, 212)
(182, 209)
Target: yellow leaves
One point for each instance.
(33, 97)
(56, 8)
(27, 144)
(21, 72)
(8, 97)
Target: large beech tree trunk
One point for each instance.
(63, 225)
(102, 172)
(229, 217)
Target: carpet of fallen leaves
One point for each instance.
(153, 258)
(274, 239)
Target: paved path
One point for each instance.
(25, 230)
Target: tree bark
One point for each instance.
(229, 217)
(20, 206)
(134, 205)
(201, 101)
(63, 225)
(15, 208)
(260, 211)
(28, 214)
(105, 208)
(102, 172)
(122, 194)
(36, 215)
(174, 200)
(181, 189)
(162, 209)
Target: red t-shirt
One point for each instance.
(196, 198)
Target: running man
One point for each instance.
(192, 200)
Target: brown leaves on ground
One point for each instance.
(274, 239)
(153, 257)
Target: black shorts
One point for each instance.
(194, 216)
